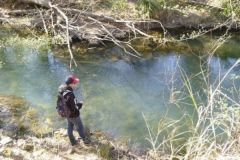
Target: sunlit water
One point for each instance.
(116, 93)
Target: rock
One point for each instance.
(94, 42)
(38, 153)
(117, 154)
(4, 112)
(7, 152)
(87, 132)
(62, 132)
(17, 154)
(21, 157)
(5, 140)
(86, 157)
(1, 150)
(98, 134)
(28, 147)
(105, 148)
(20, 143)
(10, 130)
(5, 115)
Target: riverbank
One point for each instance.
(18, 142)
(97, 23)
(57, 146)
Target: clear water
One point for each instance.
(115, 92)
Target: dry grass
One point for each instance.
(215, 135)
(215, 132)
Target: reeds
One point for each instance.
(215, 131)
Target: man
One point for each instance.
(73, 119)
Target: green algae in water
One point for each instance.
(24, 116)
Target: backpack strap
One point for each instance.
(66, 92)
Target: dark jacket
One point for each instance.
(72, 103)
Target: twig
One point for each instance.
(44, 23)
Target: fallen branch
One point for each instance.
(67, 34)
(114, 40)
(21, 12)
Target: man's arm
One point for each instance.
(71, 101)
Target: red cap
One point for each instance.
(72, 79)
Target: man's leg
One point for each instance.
(79, 127)
(70, 132)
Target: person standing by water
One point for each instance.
(73, 119)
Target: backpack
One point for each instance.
(62, 108)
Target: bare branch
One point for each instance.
(67, 34)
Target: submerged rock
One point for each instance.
(7, 125)
(17, 117)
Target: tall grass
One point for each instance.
(216, 131)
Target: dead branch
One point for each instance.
(71, 22)
(24, 12)
(67, 34)
(44, 23)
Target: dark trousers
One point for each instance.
(79, 126)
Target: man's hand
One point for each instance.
(79, 105)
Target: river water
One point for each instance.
(118, 91)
